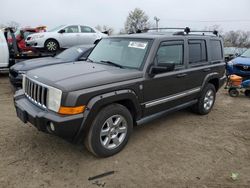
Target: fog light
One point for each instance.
(52, 126)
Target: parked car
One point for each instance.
(240, 66)
(4, 52)
(76, 53)
(233, 52)
(22, 34)
(126, 79)
(64, 36)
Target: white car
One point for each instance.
(4, 52)
(64, 36)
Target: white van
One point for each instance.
(4, 52)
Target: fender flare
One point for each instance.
(98, 102)
(209, 77)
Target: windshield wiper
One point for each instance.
(112, 63)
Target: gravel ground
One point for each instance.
(178, 150)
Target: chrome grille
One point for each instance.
(36, 92)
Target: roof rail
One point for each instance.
(185, 30)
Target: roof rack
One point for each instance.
(185, 30)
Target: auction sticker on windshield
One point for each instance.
(140, 45)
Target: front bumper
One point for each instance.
(38, 43)
(64, 126)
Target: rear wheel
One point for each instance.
(110, 131)
(51, 45)
(233, 92)
(206, 100)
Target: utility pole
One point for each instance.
(157, 21)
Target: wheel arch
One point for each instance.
(127, 98)
(212, 78)
(51, 39)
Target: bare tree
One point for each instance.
(239, 39)
(136, 20)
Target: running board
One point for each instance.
(165, 112)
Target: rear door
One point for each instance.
(198, 66)
(87, 35)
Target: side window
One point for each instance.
(72, 29)
(197, 51)
(216, 50)
(85, 29)
(170, 53)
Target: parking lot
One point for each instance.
(179, 150)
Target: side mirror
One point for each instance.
(161, 68)
(62, 31)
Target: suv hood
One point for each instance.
(81, 75)
(36, 63)
(242, 61)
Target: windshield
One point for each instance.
(128, 53)
(71, 54)
(246, 53)
(56, 28)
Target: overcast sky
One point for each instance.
(229, 14)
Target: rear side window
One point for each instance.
(197, 51)
(85, 29)
(216, 50)
(170, 54)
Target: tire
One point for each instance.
(247, 93)
(105, 138)
(51, 45)
(206, 100)
(233, 92)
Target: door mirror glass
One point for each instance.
(62, 31)
(161, 68)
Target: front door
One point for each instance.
(70, 37)
(166, 90)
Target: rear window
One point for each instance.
(197, 51)
(216, 50)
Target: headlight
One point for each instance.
(230, 63)
(54, 99)
(37, 37)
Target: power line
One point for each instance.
(208, 21)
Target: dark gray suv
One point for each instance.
(125, 79)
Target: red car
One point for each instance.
(22, 34)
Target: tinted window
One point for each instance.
(197, 51)
(216, 50)
(72, 29)
(85, 29)
(125, 52)
(170, 54)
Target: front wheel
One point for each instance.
(206, 100)
(51, 45)
(110, 131)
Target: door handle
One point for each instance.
(206, 70)
(181, 75)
